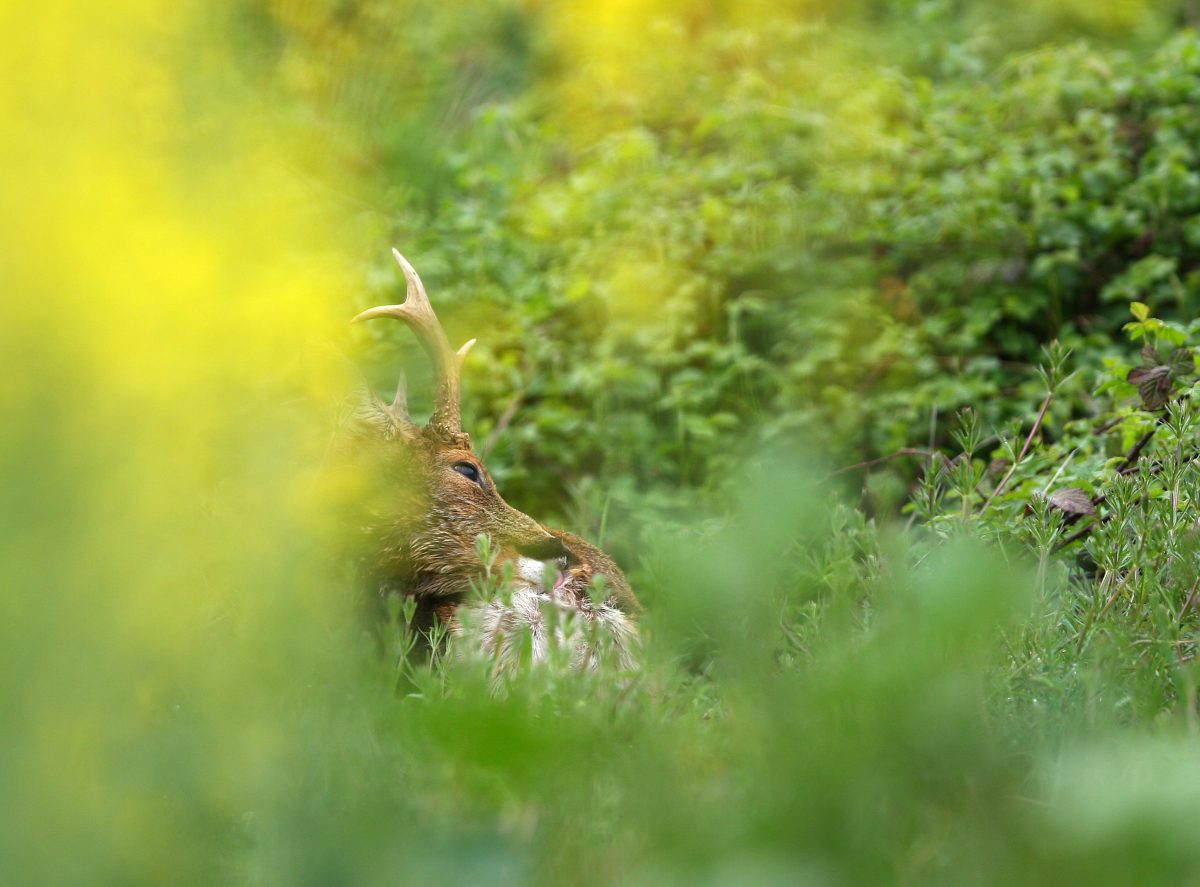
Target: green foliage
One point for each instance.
(1106, 507)
(727, 263)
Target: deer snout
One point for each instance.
(547, 549)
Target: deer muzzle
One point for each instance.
(547, 549)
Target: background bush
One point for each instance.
(680, 233)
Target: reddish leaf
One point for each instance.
(1072, 501)
(1182, 362)
(1154, 385)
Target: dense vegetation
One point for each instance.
(864, 337)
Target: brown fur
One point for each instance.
(584, 564)
(423, 517)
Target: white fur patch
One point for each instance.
(531, 624)
(531, 572)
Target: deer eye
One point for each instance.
(468, 470)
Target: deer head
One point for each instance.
(431, 497)
(434, 495)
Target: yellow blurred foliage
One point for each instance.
(170, 291)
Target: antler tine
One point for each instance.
(418, 314)
(400, 401)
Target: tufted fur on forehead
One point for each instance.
(373, 417)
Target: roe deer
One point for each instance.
(431, 497)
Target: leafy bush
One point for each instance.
(728, 263)
(1038, 210)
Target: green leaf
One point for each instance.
(1172, 335)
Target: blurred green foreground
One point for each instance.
(665, 223)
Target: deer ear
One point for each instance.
(373, 417)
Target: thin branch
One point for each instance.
(1187, 604)
(1058, 471)
(1105, 427)
(1076, 536)
(871, 463)
(502, 424)
(1037, 424)
(1132, 456)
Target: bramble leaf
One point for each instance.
(1072, 500)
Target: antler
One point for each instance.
(417, 312)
